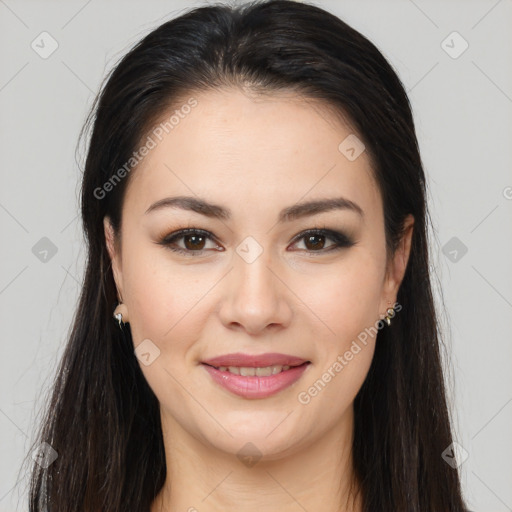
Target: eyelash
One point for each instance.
(340, 240)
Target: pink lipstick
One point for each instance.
(255, 376)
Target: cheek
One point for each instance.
(347, 299)
(347, 303)
(161, 297)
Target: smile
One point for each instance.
(256, 382)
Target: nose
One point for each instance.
(256, 298)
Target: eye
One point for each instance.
(194, 241)
(315, 240)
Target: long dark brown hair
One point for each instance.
(102, 418)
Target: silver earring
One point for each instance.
(118, 314)
(119, 318)
(390, 314)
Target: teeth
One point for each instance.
(251, 372)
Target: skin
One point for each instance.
(255, 156)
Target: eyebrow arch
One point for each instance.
(288, 214)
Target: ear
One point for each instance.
(114, 252)
(397, 265)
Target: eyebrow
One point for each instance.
(288, 214)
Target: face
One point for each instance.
(258, 274)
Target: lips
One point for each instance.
(254, 361)
(255, 386)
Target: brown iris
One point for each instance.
(309, 242)
(194, 242)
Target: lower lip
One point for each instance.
(253, 386)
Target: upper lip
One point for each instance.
(255, 361)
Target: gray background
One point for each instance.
(462, 106)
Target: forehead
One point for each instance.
(243, 149)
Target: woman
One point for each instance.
(256, 328)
